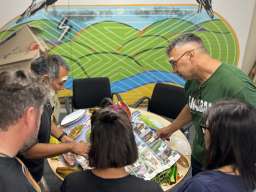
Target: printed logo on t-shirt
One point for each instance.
(198, 105)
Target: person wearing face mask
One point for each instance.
(230, 137)
(22, 98)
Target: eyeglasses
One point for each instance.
(174, 62)
(61, 83)
(203, 126)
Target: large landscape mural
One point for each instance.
(126, 43)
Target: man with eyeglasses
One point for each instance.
(52, 70)
(208, 80)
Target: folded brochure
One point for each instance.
(155, 155)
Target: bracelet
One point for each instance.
(61, 136)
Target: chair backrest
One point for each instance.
(89, 92)
(167, 100)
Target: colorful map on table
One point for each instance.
(155, 155)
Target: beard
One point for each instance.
(29, 143)
(34, 138)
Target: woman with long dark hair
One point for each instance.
(229, 129)
(112, 148)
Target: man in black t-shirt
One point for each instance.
(21, 100)
(54, 71)
(12, 177)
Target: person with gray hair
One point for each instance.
(22, 98)
(55, 67)
(208, 80)
(52, 70)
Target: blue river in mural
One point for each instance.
(139, 80)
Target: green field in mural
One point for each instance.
(118, 46)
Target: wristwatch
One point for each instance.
(61, 136)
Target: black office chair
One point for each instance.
(167, 100)
(88, 93)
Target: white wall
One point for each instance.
(9, 9)
(250, 51)
(239, 15)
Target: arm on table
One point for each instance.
(43, 150)
(182, 119)
(57, 132)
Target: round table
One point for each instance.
(178, 142)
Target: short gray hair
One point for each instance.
(184, 39)
(18, 91)
(49, 65)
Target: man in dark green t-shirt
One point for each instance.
(208, 80)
